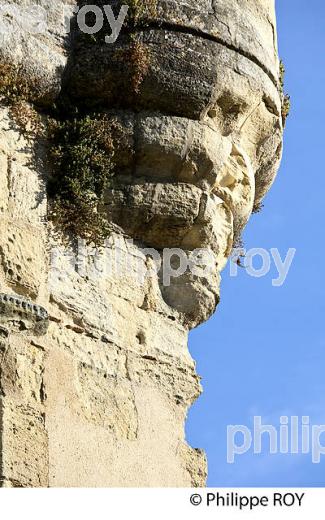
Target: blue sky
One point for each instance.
(263, 352)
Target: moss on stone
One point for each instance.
(141, 11)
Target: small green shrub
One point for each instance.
(82, 152)
(16, 93)
(285, 98)
(26, 118)
(286, 106)
(258, 207)
(282, 75)
(13, 85)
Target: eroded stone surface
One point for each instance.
(36, 42)
(100, 399)
(22, 314)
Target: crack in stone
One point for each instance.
(199, 33)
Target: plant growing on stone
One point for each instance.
(286, 106)
(16, 93)
(13, 84)
(82, 152)
(258, 207)
(141, 10)
(282, 75)
(138, 58)
(285, 98)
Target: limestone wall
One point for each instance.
(95, 374)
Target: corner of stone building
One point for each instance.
(95, 374)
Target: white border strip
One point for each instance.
(34, 504)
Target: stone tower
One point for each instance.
(95, 374)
